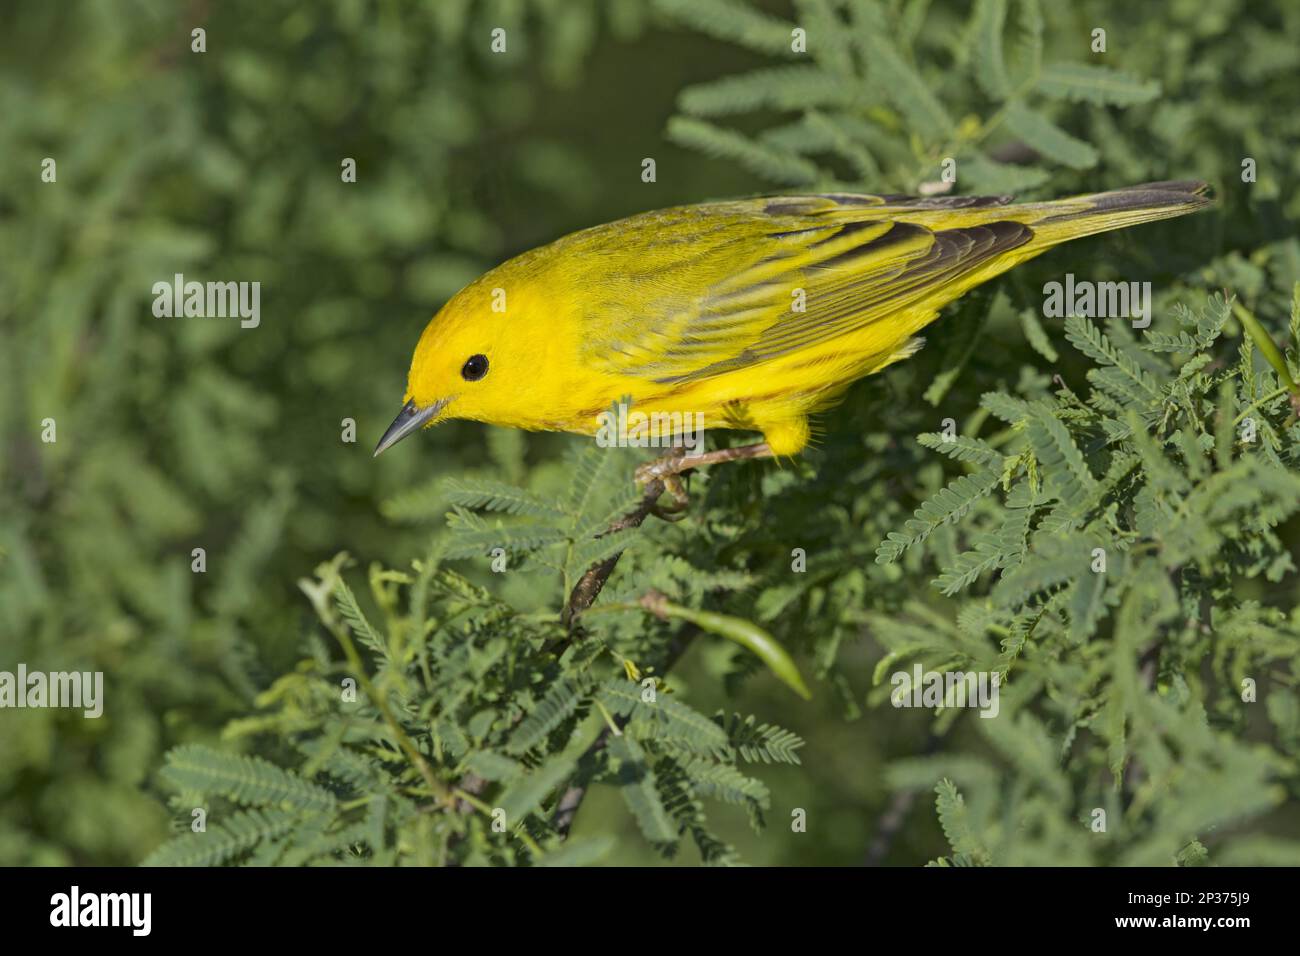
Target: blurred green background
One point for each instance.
(175, 434)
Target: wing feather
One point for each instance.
(858, 260)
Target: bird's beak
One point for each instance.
(411, 418)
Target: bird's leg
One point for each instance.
(678, 462)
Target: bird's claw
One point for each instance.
(675, 488)
(667, 470)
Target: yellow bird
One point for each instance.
(754, 313)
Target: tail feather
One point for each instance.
(1090, 214)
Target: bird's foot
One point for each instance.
(678, 462)
(679, 499)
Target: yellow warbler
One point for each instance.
(753, 313)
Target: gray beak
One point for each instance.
(409, 419)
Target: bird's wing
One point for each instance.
(716, 288)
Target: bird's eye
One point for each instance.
(475, 368)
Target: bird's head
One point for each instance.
(477, 359)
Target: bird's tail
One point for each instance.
(1063, 219)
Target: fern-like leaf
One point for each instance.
(249, 781)
(224, 840)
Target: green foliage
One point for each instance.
(477, 719)
(383, 719)
(247, 781)
(955, 819)
(1122, 688)
(174, 434)
(1113, 540)
(887, 92)
(1142, 513)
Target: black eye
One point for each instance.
(475, 368)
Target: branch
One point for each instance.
(895, 815)
(589, 585)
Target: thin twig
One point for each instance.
(582, 596)
(567, 809)
(589, 586)
(895, 815)
(890, 824)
